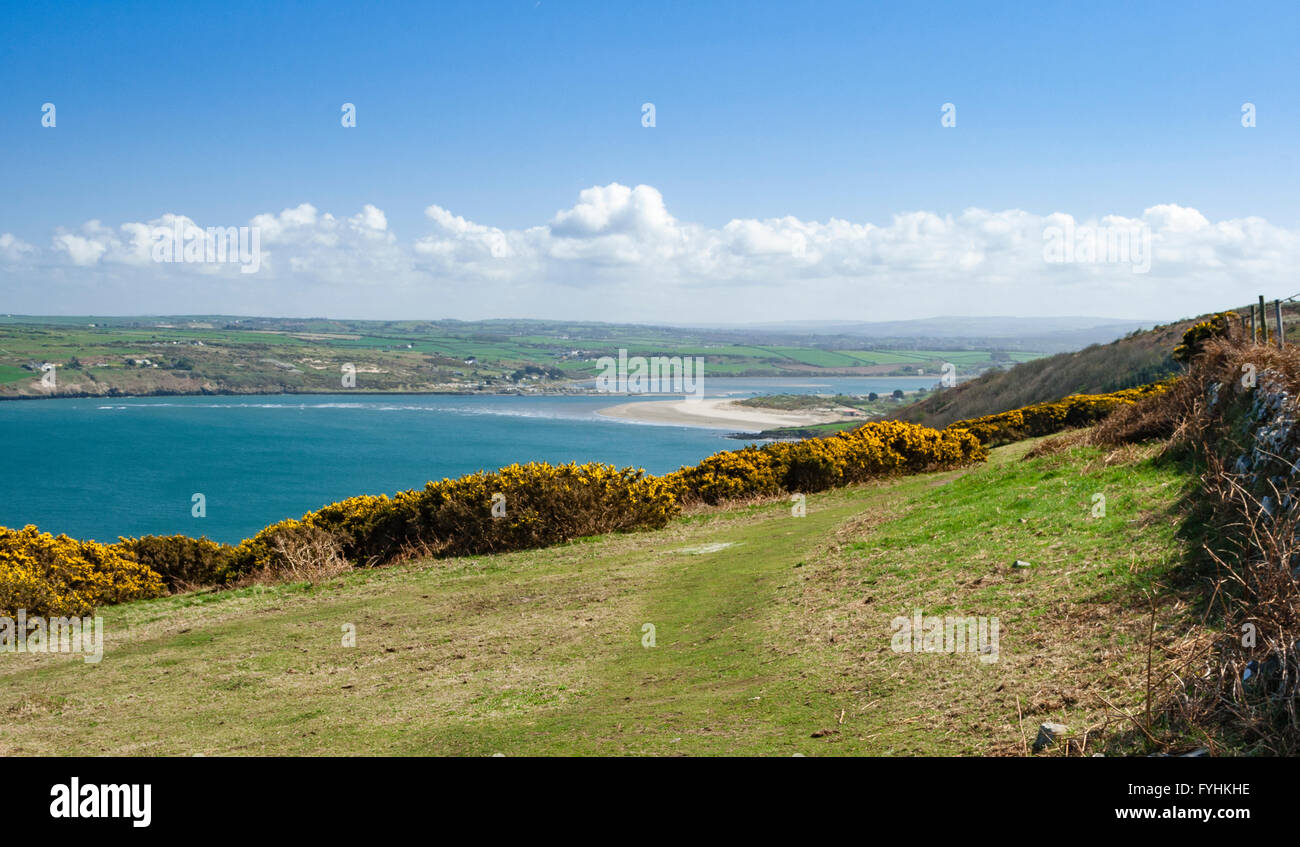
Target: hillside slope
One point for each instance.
(1137, 359)
(772, 634)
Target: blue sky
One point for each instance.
(502, 113)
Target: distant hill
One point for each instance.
(1048, 335)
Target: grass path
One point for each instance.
(772, 635)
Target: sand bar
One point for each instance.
(716, 413)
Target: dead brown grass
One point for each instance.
(1243, 683)
(308, 554)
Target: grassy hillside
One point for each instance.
(772, 634)
(1137, 359)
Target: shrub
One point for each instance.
(368, 528)
(287, 550)
(729, 475)
(875, 449)
(544, 504)
(809, 468)
(48, 575)
(1049, 418)
(1216, 326)
(184, 563)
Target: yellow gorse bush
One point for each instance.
(540, 504)
(875, 449)
(1216, 326)
(1048, 418)
(181, 561)
(60, 576)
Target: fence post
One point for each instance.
(1263, 321)
(1277, 313)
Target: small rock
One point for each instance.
(1047, 733)
(1021, 563)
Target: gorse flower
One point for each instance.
(1048, 418)
(879, 448)
(1217, 326)
(48, 575)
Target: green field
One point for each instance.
(10, 373)
(187, 355)
(772, 635)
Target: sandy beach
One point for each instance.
(715, 413)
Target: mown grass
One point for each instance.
(772, 635)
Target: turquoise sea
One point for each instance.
(100, 468)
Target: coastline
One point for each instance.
(566, 389)
(109, 395)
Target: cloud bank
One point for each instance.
(618, 254)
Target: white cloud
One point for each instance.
(14, 249)
(619, 254)
(616, 210)
(82, 251)
(370, 218)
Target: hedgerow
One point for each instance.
(1048, 418)
(875, 449)
(538, 504)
